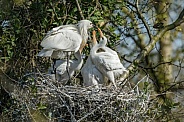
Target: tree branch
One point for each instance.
(151, 45)
(80, 11)
(139, 42)
(95, 8)
(143, 20)
(153, 67)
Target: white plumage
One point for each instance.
(91, 75)
(61, 70)
(107, 62)
(66, 38)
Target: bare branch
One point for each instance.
(80, 11)
(88, 114)
(153, 67)
(150, 46)
(143, 20)
(139, 42)
(172, 86)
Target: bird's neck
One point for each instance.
(103, 42)
(94, 50)
(79, 60)
(83, 32)
(78, 56)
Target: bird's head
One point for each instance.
(85, 24)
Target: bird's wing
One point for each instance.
(87, 70)
(62, 39)
(62, 64)
(97, 75)
(45, 52)
(55, 30)
(107, 49)
(108, 61)
(58, 54)
(91, 76)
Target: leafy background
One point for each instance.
(24, 24)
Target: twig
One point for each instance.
(30, 112)
(143, 20)
(72, 116)
(172, 86)
(8, 76)
(94, 9)
(80, 11)
(180, 63)
(154, 67)
(89, 114)
(141, 81)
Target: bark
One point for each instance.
(164, 71)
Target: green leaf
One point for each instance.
(50, 10)
(41, 107)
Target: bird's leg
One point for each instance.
(111, 78)
(114, 84)
(67, 68)
(54, 68)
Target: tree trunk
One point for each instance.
(165, 70)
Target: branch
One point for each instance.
(143, 20)
(80, 11)
(150, 46)
(95, 8)
(153, 67)
(172, 86)
(88, 114)
(139, 42)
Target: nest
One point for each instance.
(79, 104)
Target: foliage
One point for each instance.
(129, 27)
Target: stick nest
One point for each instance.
(77, 103)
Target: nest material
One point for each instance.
(81, 104)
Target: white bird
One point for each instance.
(91, 75)
(107, 62)
(61, 71)
(66, 38)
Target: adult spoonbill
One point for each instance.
(107, 62)
(66, 38)
(91, 75)
(61, 71)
